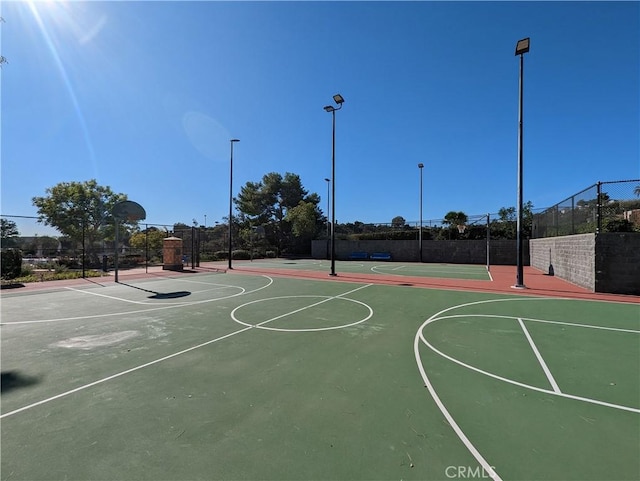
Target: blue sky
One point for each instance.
(144, 97)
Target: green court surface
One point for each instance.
(413, 269)
(232, 376)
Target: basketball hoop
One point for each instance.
(461, 228)
(128, 211)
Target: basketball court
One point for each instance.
(289, 374)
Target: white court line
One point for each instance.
(327, 299)
(445, 412)
(398, 268)
(312, 305)
(420, 337)
(543, 364)
(489, 274)
(114, 376)
(151, 363)
(147, 303)
(159, 308)
(438, 317)
(529, 319)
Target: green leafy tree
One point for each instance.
(48, 245)
(398, 222)
(152, 238)
(454, 218)
(80, 210)
(10, 263)
(8, 233)
(303, 219)
(506, 225)
(267, 203)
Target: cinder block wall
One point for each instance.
(502, 252)
(607, 262)
(572, 257)
(617, 263)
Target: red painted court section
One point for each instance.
(504, 277)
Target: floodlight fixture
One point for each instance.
(522, 46)
(339, 100)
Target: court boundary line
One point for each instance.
(120, 374)
(438, 317)
(327, 299)
(144, 365)
(543, 364)
(126, 313)
(146, 303)
(445, 412)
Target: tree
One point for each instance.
(267, 203)
(506, 225)
(303, 219)
(80, 210)
(454, 218)
(398, 222)
(8, 233)
(152, 238)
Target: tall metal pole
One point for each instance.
(328, 204)
(117, 241)
(84, 254)
(420, 166)
(339, 100)
(520, 269)
(333, 196)
(232, 141)
(488, 241)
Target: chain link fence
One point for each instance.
(44, 247)
(603, 207)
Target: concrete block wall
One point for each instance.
(607, 262)
(572, 258)
(617, 263)
(502, 252)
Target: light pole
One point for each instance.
(232, 141)
(522, 47)
(327, 181)
(339, 100)
(420, 166)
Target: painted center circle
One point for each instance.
(302, 313)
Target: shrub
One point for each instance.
(55, 276)
(270, 254)
(241, 254)
(220, 255)
(26, 270)
(618, 225)
(11, 263)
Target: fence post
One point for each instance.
(598, 207)
(573, 213)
